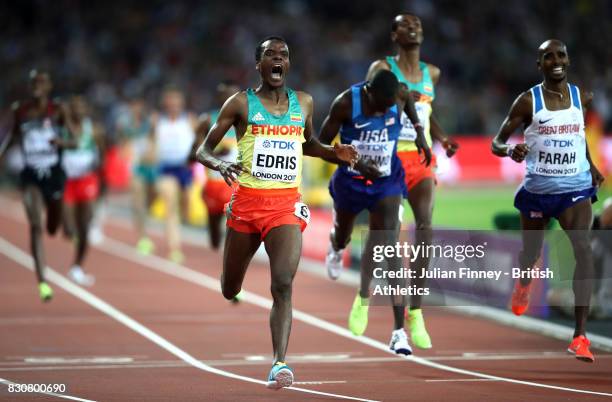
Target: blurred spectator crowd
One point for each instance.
(112, 51)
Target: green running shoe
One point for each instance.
(358, 319)
(418, 332)
(145, 246)
(45, 291)
(176, 256)
(280, 376)
(238, 298)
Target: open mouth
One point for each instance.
(557, 70)
(277, 72)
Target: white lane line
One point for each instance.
(19, 256)
(72, 398)
(249, 361)
(351, 279)
(78, 360)
(125, 251)
(460, 380)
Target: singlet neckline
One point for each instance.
(421, 69)
(275, 116)
(569, 92)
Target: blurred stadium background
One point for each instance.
(112, 52)
(116, 51)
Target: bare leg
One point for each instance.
(54, 215)
(533, 237)
(343, 227)
(421, 200)
(83, 215)
(33, 203)
(184, 204)
(576, 221)
(168, 188)
(139, 204)
(68, 223)
(384, 231)
(284, 247)
(238, 252)
(214, 229)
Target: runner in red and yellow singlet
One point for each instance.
(273, 126)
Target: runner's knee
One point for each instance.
(582, 248)
(281, 287)
(423, 225)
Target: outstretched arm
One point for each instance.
(409, 109)
(228, 117)
(339, 153)
(437, 132)
(519, 114)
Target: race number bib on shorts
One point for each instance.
(407, 132)
(379, 152)
(557, 155)
(302, 212)
(275, 159)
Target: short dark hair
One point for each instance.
(384, 83)
(35, 72)
(260, 47)
(394, 24)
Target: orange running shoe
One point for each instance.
(520, 298)
(580, 348)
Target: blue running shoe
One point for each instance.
(281, 376)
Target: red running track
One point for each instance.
(97, 357)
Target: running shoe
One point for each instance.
(238, 298)
(280, 376)
(79, 276)
(145, 246)
(333, 262)
(418, 332)
(176, 256)
(580, 348)
(45, 291)
(520, 298)
(358, 319)
(399, 342)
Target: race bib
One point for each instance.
(408, 133)
(302, 212)
(557, 155)
(37, 148)
(276, 159)
(379, 152)
(78, 163)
